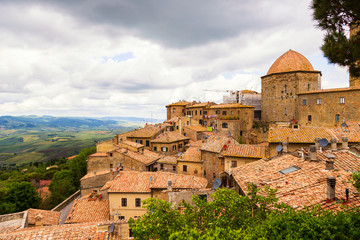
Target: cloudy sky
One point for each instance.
(130, 58)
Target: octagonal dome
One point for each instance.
(289, 62)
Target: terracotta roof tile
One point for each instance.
(88, 210)
(229, 105)
(196, 128)
(246, 150)
(303, 187)
(168, 159)
(181, 103)
(49, 217)
(192, 154)
(147, 157)
(308, 134)
(143, 182)
(60, 232)
(98, 154)
(216, 143)
(93, 174)
(204, 104)
(331, 90)
(168, 137)
(131, 143)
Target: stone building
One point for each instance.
(197, 111)
(166, 164)
(176, 109)
(190, 162)
(169, 142)
(289, 75)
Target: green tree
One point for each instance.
(335, 17)
(18, 197)
(62, 186)
(78, 164)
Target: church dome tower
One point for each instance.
(289, 75)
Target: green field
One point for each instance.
(24, 140)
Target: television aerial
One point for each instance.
(217, 183)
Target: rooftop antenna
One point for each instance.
(279, 148)
(323, 143)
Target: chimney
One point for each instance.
(317, 143)
(329, 165)
(313, 153)
(285, 147)
(333, 144)
(142, 151)
(38, 220)
(345, 143)
(331, 182)
(169, 188)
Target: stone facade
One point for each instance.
(117, 211)
(279, 91)
(176, 109)
(190, 168)
(329, 107)
(212, 165)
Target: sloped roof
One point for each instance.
(354, 88)
(88, 210)
(308, 134)
(48, 217)
(192, 154)
(180, 103)
(229, 105)
(246, 150)
(146, 132)
(93, 174)
(60, 232)
(143, 182)
(299, 188)
(216, 143)
(147, 158)
(167, 159)
(132, 144)
(196, 128)
(198, 105)
(289, 62)
(98, 154)
(169, 137)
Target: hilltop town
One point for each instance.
(294, 136)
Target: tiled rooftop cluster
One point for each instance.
(216, 143)
(300, 182)
(48, 217)
(88, 210)
(143, 182)
(304, 134)
(168, 137)
(246, 150)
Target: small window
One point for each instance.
(289, 170)
(231, 112)
(337, 117)
(155, 149)
(164, 149)
(217, 111)
(241, 133)
(124, 202)
(174, 168)
(309, 86)
(342, 100)
(214, 175)
(184, 168)
(285, 89)
(111, 165)
(224, 125)
(222, 162)
(304, 102)
(111, 154)
(174, 147)
(200, 112)
(147, 143)
(309, 118)
(195, 112)
(195, 171)
(137, 202)
(318, 101)
(205, 112)
(224, 113)
(204, 173)
(121, 217)
(161, 166)
(180, 146)
(187, 123)
(177, 127)
(233, 164)
(285, 111)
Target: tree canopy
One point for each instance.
(336, 17)
(232, 216)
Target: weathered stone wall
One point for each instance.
(175, 111)
(95, 183)
(166, 167)
(212, 165)
(176, 197)
(324, 114)
(239, 161)
(278, 94)
(97, 163)
(190, 134)
(193, 168)
(105, 146)
(179, 147)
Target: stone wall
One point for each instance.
(212, 165)
(172, 148)
(279, 93)
(175, 111)
(193, 168)
(105, 146)
(176, 197)
(327, 110)
(96, 182)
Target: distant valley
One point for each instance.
(26, 139)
